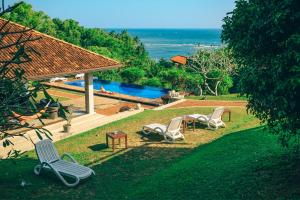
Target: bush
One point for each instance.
(193, 83)
(132, 74)
(173, 78)
(225, 85)
(111, 75)
(101, 50)
(155, 82)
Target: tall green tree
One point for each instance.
(264, 37)
(215, 67)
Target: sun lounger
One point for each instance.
(52, 80)
(79, 76)
(170, 132)
(213, 120)
(175, 95)
(50, 160)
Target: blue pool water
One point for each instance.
(123, 88)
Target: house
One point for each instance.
(55, 58)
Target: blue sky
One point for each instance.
(138, 13)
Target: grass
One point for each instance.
(60, 98)
(227, 97)
(67, 91)
(241, 161)
(40, 96)
(245, 165)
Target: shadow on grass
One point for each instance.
(155, 138)
(248, 164)
(114, 177)
(241, 161)
(98, 147)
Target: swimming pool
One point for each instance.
(124, 88)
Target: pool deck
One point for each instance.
(118, 96)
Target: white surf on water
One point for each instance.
(165, 43)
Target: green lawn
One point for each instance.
(68, 91)
(241, 161)
(40, 96)
(227, 97)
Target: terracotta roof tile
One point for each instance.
(179, 59)
(55, 57)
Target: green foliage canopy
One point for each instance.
(264, 37)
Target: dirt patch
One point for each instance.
(63, 94)
(208, 103)
(114, 109)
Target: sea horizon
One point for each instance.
(168, 42)
(118, 28)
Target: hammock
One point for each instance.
(25, 118)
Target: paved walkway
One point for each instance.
(115, 108)
(208, 103)
(79, 125)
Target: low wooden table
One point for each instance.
(228, 111)
(186, 120)
(116, 135)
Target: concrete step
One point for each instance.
(58, 129)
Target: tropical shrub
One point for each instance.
(132, 74)
(173, 78)
(193, 83)
(225, 85)
(110, 75)
(154, 81)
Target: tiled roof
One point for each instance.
(55, 57)
(179, 59)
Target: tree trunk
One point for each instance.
(209, 89)
(200, 90)
(216, 88)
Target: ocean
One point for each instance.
(165, 43)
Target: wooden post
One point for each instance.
(89, 93)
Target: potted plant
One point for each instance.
(69, 115)
(53, 110)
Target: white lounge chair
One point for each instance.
(171, 132)
(175, 95)
(52, 80)
(213, 120)
(79, 76)
(50, 160)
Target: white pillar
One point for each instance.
(89, 93)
